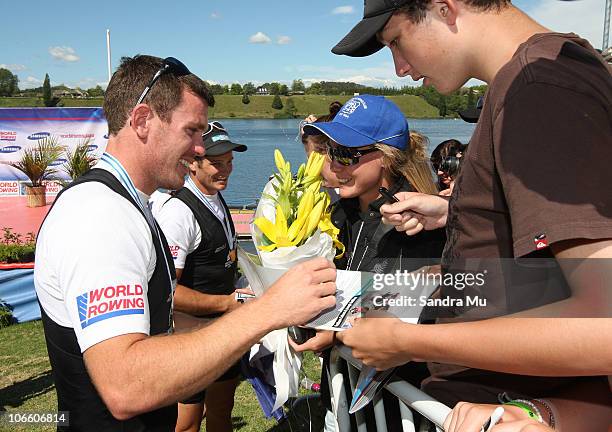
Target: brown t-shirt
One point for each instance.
(535, 173)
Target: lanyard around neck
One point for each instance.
(350, 261)
(225, 222)
(121, 174)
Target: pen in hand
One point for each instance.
(493, 420)
(388, 196)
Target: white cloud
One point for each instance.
(283, 40)
(215, 15)
(64, 53)
(343, 10)
(260, 38)
(30, 82)
(13, 67)
(582, 17)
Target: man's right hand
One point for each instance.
(415, 212)
(301, 294)
(321, 341)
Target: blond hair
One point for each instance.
(411, 163)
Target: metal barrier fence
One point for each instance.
(408, 397)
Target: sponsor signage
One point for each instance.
(10, 149)
(9, 187)
(53, 187)
(38, 135)
(8, 135)
(77, 135)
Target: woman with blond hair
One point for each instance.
(370, 147)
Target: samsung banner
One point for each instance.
(21, 128)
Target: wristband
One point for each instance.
(549, 411)
(532, 411)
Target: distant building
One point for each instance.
(70, 93)
(262, 91)
(296, 93)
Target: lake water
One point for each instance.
(252, 168)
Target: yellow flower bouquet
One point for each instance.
(293, 219)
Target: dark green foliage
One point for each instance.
(290, 108)
(8, 83)
(48, 99)
(245, 99)
(277, 103)
(14, 248)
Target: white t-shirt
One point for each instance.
(181, 228)
(157, 200)
(94, 257)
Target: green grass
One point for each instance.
(26, 383)
(231, 106)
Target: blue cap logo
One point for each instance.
(351, 106)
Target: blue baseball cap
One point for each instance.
(365, 120)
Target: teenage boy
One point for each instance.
(528, 187)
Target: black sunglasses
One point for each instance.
(212, 126)
(171, 65)
(347, 156)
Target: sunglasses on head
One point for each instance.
(347, 156)
(170, 65)
(212, 126)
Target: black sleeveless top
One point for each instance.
(75, 391)
(208, 269)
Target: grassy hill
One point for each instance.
(231, 106)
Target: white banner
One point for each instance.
(21, 128)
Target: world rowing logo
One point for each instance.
(104, 303)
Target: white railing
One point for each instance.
(409, 397)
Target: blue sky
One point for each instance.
(221, 41)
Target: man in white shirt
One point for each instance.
(105, 278)
(202, 239)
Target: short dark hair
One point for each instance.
(131, 78)
(417, 10)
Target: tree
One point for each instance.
(274, 88)
(277, 104)
(315, 88)
(8, 83)
(245, 99)
(97, 91)
(216, 89)
(226, 89)
(249, 88)
(290, 107)
(48, 99)
(442, 107)
(283, 89)
(236, 89)
(298, 85)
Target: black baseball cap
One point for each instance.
(361, 40)
(217, 140)
(471, 115)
